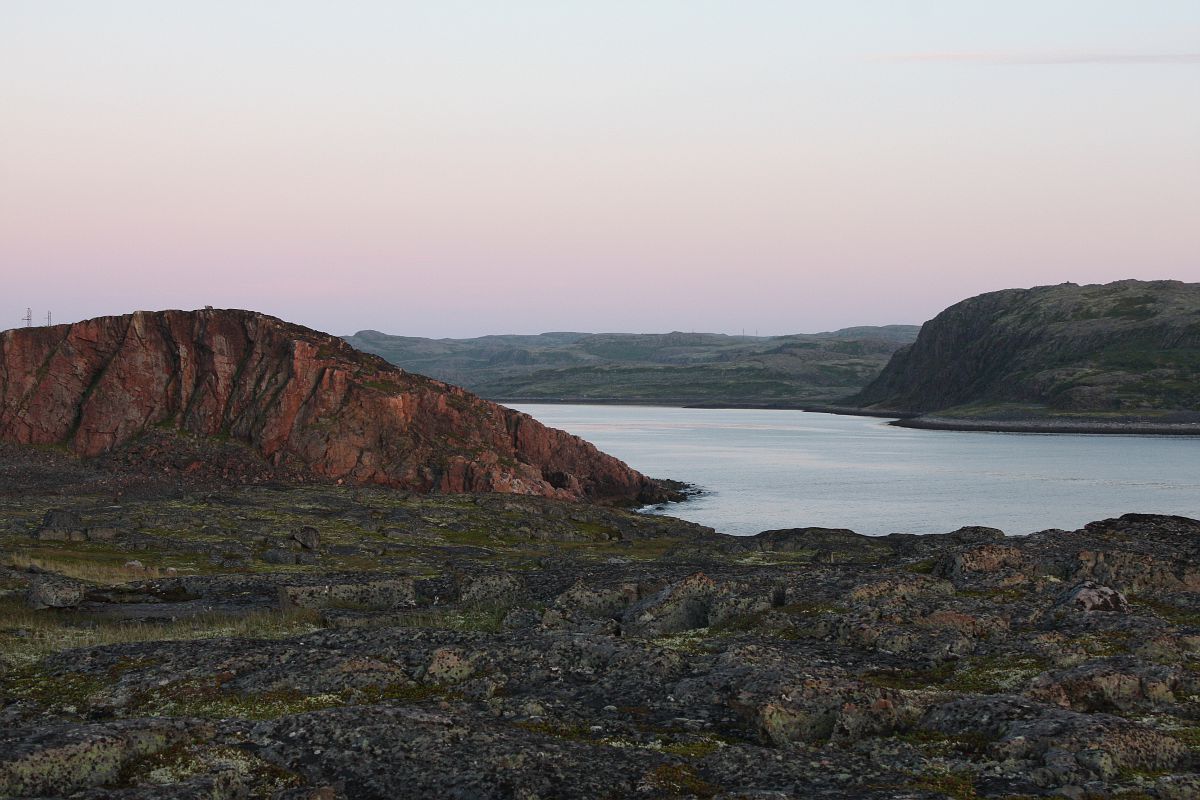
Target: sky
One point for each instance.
(452, 168)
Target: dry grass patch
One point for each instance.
(27, 635)
(99, 568)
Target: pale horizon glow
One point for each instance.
(1050, 58)
(460, 168)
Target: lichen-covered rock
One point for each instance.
(1056, 747)
(901, 587)
(1121, 685)
(389, 593)
(307, 537)
(1090, 596)
(987, 558)
(494, 589)
(447, 665)
(679, 607)
(49, 591)
(63, 759)
(592, 599)
(821, 545)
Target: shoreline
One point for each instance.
(819, 409)
(916, 421)
(932, 423)
(612, 401)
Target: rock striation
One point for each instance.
(1129, 349)
(306, 402)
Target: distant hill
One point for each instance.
(683, 368)
(1128, 350)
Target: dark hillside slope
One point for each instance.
(1125, 349)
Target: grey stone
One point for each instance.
(278, 555)
(308, 537)
(1091, 596)
(50, 591)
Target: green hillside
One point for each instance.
(683, 368)
(1129, 349)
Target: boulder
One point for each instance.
(447, 665)
(1091, 596)
(308, 537)
(67, 758)
(984, 559)
(51, 591)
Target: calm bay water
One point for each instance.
(784, 469)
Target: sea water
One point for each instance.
(764, 469)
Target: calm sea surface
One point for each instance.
(782, 469)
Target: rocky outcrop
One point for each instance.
(67, 758)
(306, 402)
(1131, 347)
(496, 647)
(49, 591)
(1090, 596)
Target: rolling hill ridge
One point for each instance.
(671, 368)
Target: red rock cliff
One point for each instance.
(303, 399)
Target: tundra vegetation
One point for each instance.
(173, 638)
(671, 368)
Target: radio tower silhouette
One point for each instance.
(28, 318)
(48, 323)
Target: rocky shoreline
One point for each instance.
(935, 423)
(172, 639)
(931, 422)
(1187, 424)
(667, 403)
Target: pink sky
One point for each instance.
(449, 169)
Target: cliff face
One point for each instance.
(305, 401)
(1129, 346)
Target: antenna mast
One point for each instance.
(28, 318)
(48, 323)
